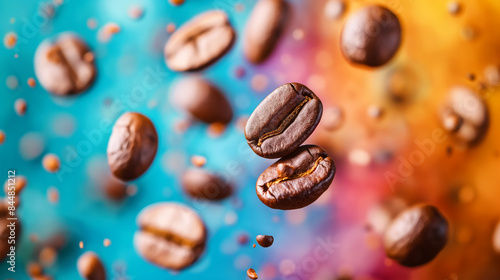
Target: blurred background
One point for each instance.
(372, 120)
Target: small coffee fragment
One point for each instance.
(252, 274)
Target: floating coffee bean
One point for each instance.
(371, 36)
(496, 239)
(90, 267)
(252, 274)
(202, 100)
(296, 180)
(202, 184)
(64, 65)
(416, 235)
(6, 230)
(263, 29)
(283, 120)
(465, 116)
(132, 146)
(200, 42)
(265, 240)
(171, 235)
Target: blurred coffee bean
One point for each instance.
(283, 120)
(265, 240)
(496, 238)
(380, 216)
(263, 29)
(63, 66)
(371, 36)
(334, 9)
(416, 235)
(34, 269)
(201, 184)
(313, 172)
(202, 100)
(132, 146)
(114, 189)
(51, 163)
(171, 235)
(90, 267)
(333, 118)
(7, 229)
(402, 83)
(20, 106)
(199, 42)
(492, 75)
(252, 274)
(465, 116)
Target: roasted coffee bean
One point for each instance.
(263, 29)
(312, 173)
(171, 235)
(6, 230)
(90, 267)
(132, 146)
(416, 235)
(201, 184)
(252, 274)
(496, 238)
(465, 116)
(283, 120)
(265, 240)
(200, 42)
(114, 189)
(202, 100)
(65, 65)
(371, 36)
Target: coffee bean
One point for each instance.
(465, 116)
(202, 184)
(202, 100)
(114, 189)
(63, 66)
(252, 274)
(496, 238)
(263, 29)
(199, 42)
(265, 240)
(90, 267)
(313, 172)
(371, 36)
(5, 231)
(416, 235)
(283, 120)
(171, 235)
(132, 146)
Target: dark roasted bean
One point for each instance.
(200, 42)
(132, 146)
(265, 240)
(171, 235)
(283, 121)
(313, 172)
(371, 36)
(416, 235)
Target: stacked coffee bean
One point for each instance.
(277, 128)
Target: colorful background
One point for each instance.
(438, 51)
